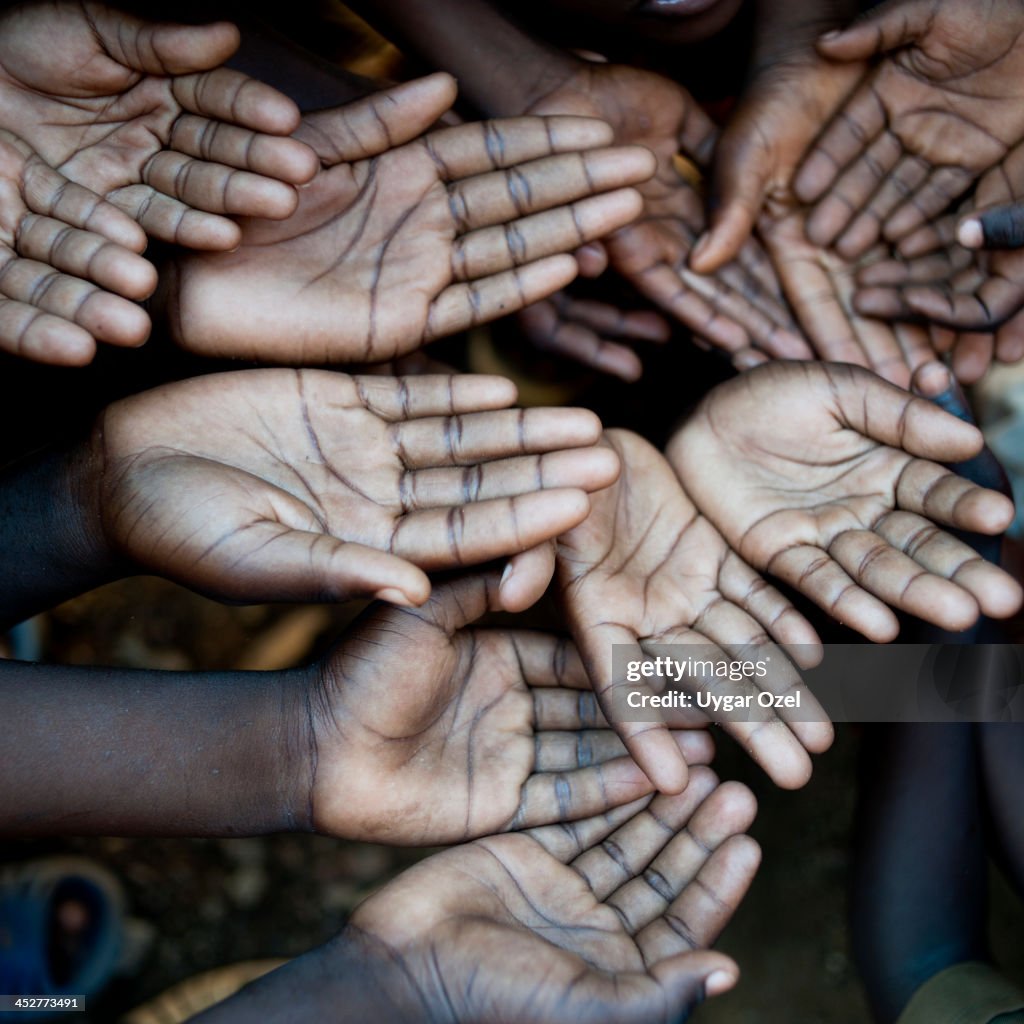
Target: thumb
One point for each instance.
(526, 577)
(739, 186)
(889, 26)
(162, 48)
(455, 604)
(379, 122)
(998, 227)
(690, 978)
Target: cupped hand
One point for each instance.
(268, 485)
(739, 309)
(428, 731)
(823, 475)
(647, 569)
(142, 114)
(596, 334)
(605, 919)
(394, 245)
(69, 264)
(942, 106)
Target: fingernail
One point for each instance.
(506, 575)
(830, 35)
(700, 248)
(717, 983)
(970, 234)
(393, 596)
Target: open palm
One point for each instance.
(395, 245)
(142, 114)
(645, 569)
(821, 474)
(428, 731)
(605, 919)
(310, 485)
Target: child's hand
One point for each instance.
(428, 731)
(822, 475)
(69, 264)
(134, 111)
(739, 309)
(606, 919)
(645, 568)
(820, 284)
(395, 245)
(266, 485)
(943, 106)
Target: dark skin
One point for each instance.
(605, 919)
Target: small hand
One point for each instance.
(394, 245)
(822, 475)
(428, 731)
(645, 568)
(278, 485)
(820, 285)
(740, 309)
(593, 333)
(605, 919)
(69, 264)
(942, 107)
(141, 113)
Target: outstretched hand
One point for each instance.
(142, 114)
(428, 731)
(394, 245)
(823, 476)
(740, 309)
(69, 264)
(646, 568)
(942, 107)
(278, 485)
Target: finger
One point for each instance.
(217, 142)
(468, 438)
(28, 332)
(568, 710)
(612, 321)
(942, 187)
(932, 491)
(567, 751)
(526, 188)
(272, 562)
(1000, 227)
(915, 343)
(935, 267)
(161, 48)
(408, 398)
(491, 250)
(379, 122)
(564, 796)
(887, 27)
(848, 212)
(848, 134)
(50, 194)
(997, 593)
(462, 306)
(937, 234)
(649, 743)
(728, 811)
(698, 915)
(169, 220)
(972, 356)
(453, 537)
(214, 188)
(547, 661)
(106, 317)
(889, 414)
(625, 853)
(527, 577)
(991, 305)
(482, 146)
(86, 255)
(1010, 340)
(899, 581)
(227, 95)
(589, 469)
(592, 259)
(817, 576)
(567, 840)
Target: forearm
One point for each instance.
(351, 978)
(51, 540)
(501, 69)
(126, 752)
